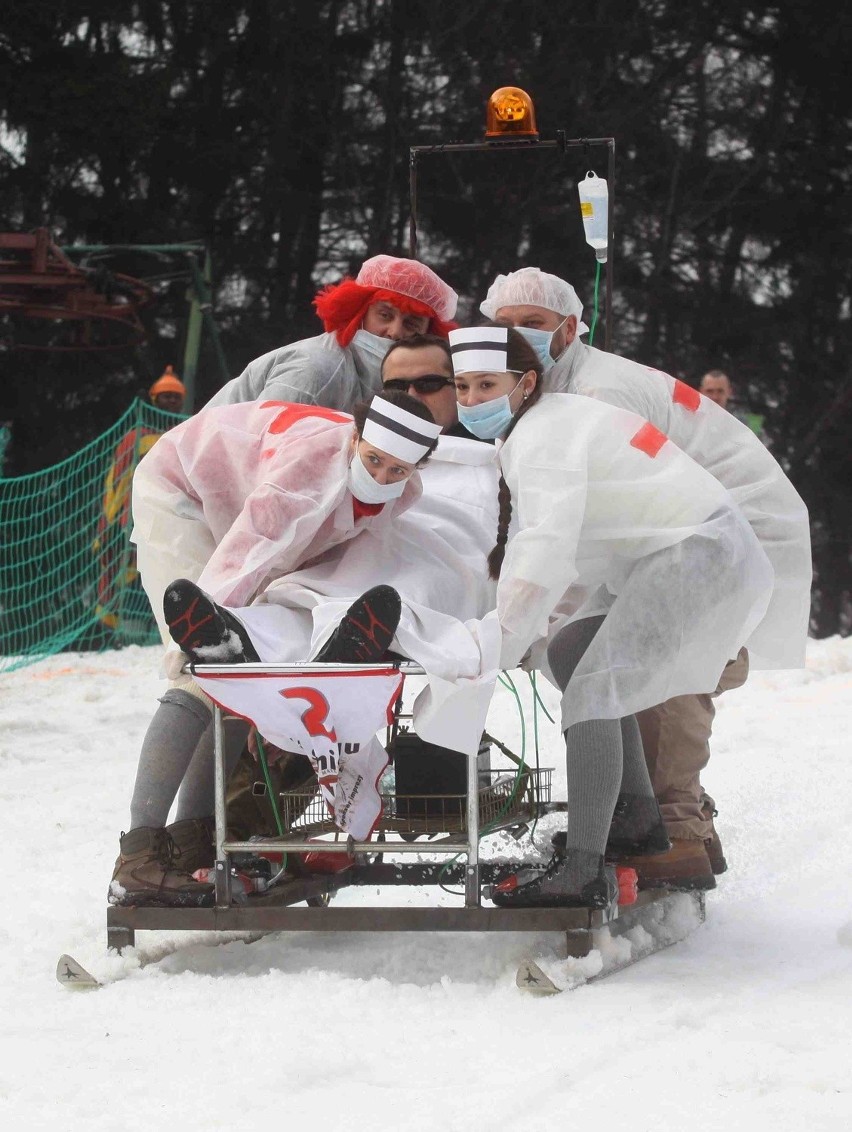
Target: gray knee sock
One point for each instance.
(167, 751)
(634, 778)
(594, 770)
(196, 798)
(593, 749)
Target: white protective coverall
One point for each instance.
(241, 494)
(731, 452)
(605, 502)
(435, 557)
(315, 371)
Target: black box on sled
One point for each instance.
(422, 768)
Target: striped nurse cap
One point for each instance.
(479, 349)
(398, 432)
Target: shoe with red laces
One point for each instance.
(366, 630)
(206, 632)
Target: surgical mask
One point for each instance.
(489, 419)
(540, 341)
(366, 489)
(372, 344)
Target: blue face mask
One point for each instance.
(489, 419)
(540, 340)
(372, 344)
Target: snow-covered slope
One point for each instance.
(745, 1025)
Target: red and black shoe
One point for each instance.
(206, 632)
(366, 630)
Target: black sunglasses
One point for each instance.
(429, 383)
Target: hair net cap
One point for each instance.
(411, 278)
(531, 287)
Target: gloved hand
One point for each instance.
(173, 662)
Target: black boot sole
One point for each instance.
(366, 630)
(196, 622)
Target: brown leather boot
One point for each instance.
(712, 843)
(193, 842)
(686, 866)
(146, 873)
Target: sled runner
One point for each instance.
(254, 892)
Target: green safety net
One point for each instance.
(68, 578)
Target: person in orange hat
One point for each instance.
(389, 300)
(118, 573)
(168, 392)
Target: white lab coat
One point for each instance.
(435, 557)
(606, 505)
(314, 371)
(239, 495)
(730, 451)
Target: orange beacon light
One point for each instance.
(511, 115)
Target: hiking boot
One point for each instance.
(146, 873)
(571, 879)
(366, 630)
(712, 844)
(637, 828)
(193, 843)
(206, 632)
(685, 866)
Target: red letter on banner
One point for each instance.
(315, 716)
(687, 396)
(649, 439)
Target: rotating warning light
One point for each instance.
(511, 115)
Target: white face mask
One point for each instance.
(366, 489)
(372, 344)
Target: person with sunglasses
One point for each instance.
(435, 556)
(390, 299)
(422, 367)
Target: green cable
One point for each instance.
(264, 766)
(595, 302)
(538, 700)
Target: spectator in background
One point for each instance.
(716, 385)
(122, 606)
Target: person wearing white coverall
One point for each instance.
(671, 582)
(436, 561)
(232, 499)
(390, 299)
(676, 733)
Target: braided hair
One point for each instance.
(522, 357)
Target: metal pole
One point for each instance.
(210, 321)
(610, 245)
(472, 894)
(193, 337)
(412, 203)
(223, 864)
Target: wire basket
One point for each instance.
(504, 799)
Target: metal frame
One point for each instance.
(201, 303)
(532, 145)
(274, 911)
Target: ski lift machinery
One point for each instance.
(453, 856)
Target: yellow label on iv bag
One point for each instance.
(587, 210)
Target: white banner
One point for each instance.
(331, 718)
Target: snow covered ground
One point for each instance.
(745, 1025)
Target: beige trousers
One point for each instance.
(676, 738)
